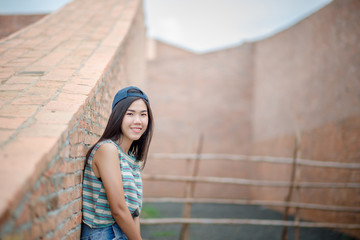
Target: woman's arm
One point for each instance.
(107, 166)
(137, 223)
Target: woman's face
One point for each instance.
(135, 121)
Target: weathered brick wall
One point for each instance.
(12, 23)
(159, 50)
(308, 78)
(251, 99)
(200, 94)
(58, 78)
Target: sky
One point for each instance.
(201, 25)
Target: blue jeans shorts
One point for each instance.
(112, 232)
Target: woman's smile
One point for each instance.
(137, 129)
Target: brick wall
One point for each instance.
(200, 94)
(12, 23)
(252, 99)
(307, 78)
(160, 50)
(58, 77)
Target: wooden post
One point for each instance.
(297, 187)
(189, 192)
(291, 187)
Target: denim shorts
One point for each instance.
(112, 232)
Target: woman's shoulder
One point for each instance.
(107, 145)
(106, 152)
(104, 146)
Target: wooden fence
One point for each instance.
(294, 184)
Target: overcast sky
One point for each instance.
(202, 25)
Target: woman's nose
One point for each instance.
(137, 119)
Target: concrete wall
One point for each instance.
(58, 77)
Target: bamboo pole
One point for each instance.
(249, 222)
(190, 189)
(281, 160)
(312, 206)
(240, 181)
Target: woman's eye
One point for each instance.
(129, 113)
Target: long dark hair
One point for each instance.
(139, 148)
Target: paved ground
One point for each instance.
(216, 232)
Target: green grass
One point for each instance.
(163, 234)
(149, 211)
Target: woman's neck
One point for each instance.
(124, 145)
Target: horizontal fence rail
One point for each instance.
(256, 202)
(248, 222)
(233, 157)
(257, 183)
(248, 182)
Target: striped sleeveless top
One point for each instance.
(95, 205)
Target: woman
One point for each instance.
(112, 187)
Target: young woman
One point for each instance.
(112, 187)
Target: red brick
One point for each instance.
(76, 89)
(31, 100)
(74, 138)
(70, 97)
(11, 123)
(74, 235)
(67, 167)
(77, 191)
(65, 152)
(43, 130)
(63, 216)
(6, 74)
(89, 139)
(46, 187)
(48, 225)
(24, 216)
(63, 106)
(27, 234)
(13, 87)
(82, 150)
(84, 81)
(57, 76)
(53, 117)
(21, 79)
(48, 91)
(39, 209)
(83, 124)
(48, 84)
(8, 95)
(18, 110)
(71, 180)
(13, 236)
(36, 231)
